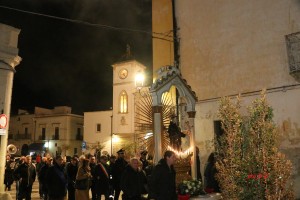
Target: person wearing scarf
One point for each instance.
(56, 182)
(102, 178)
(83, 173)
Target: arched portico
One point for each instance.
(169, 76)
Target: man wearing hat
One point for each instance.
(143, 159)
(117, 171)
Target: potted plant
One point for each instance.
(189, 188)
(249, 162)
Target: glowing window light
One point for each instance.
(123, 102)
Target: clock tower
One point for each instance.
(124, 88)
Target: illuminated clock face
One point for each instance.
(123, 73)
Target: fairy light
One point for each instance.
(181, 154)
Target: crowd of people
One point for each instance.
(110, 177)
(107, 176)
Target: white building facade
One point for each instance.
(54, 131)
(97, 131)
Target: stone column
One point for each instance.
(6, 83)
(157, 129)
(192, 115)
(8, 60)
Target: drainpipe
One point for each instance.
(175, 37)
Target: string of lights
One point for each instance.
(169, 38)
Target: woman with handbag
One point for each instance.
(83, 179)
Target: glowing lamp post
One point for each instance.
(139, 80)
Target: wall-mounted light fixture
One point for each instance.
(115, 138)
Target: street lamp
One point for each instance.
(139, 80)
(116, 138)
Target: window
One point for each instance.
(98, 127)
(218, 128)
(26, 133)
(123, 102)
(78, 135)
(43, 133)
(56, 136)
(219, 131)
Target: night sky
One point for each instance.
(68, 63)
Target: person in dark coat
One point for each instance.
(42, 176)
(102, 178)
(198, 164)
(117, 171)
(143, 159)
(148, 170)
(39, 166)
(26, 173)
(15, 176)
(162, 185)
(112, 161)
(9, 171)
(133, 181)
(56, 180)
(93, 164)
(71, 171)
(210, 181)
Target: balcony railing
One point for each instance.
(78, 137)
(42, 138)
(55, 137)
(22, 136)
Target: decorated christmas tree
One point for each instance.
(249, 163)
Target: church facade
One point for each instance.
(226, 48)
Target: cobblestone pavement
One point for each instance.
(35, 191)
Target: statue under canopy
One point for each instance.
(175, 134)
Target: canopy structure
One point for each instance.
(167, 77)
